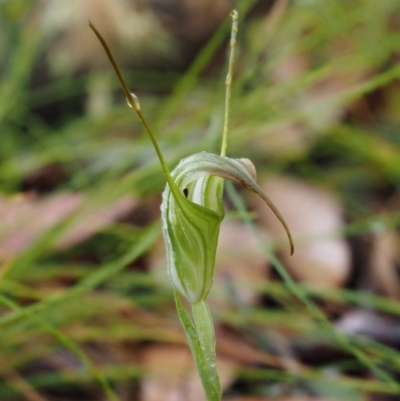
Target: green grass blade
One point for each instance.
(65, 341)
(299, 292)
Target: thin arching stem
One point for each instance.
(228, 82)
(133, 103)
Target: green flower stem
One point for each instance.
(134, 104)
(207, 373)
(228, 82)
(205, 331)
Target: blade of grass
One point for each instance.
(65, 341)
(298, 291)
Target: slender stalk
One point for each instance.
(210, 382)
(205, 332)
(228, 81)
(133, 103)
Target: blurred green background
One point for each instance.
(86, 308)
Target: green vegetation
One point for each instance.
(316, 95)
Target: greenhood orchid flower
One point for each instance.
(192, 215)
(192, 212)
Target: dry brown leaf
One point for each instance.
(385, 254)
(170, 374)
(314, 216)
(91, 221)
(26, 218)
